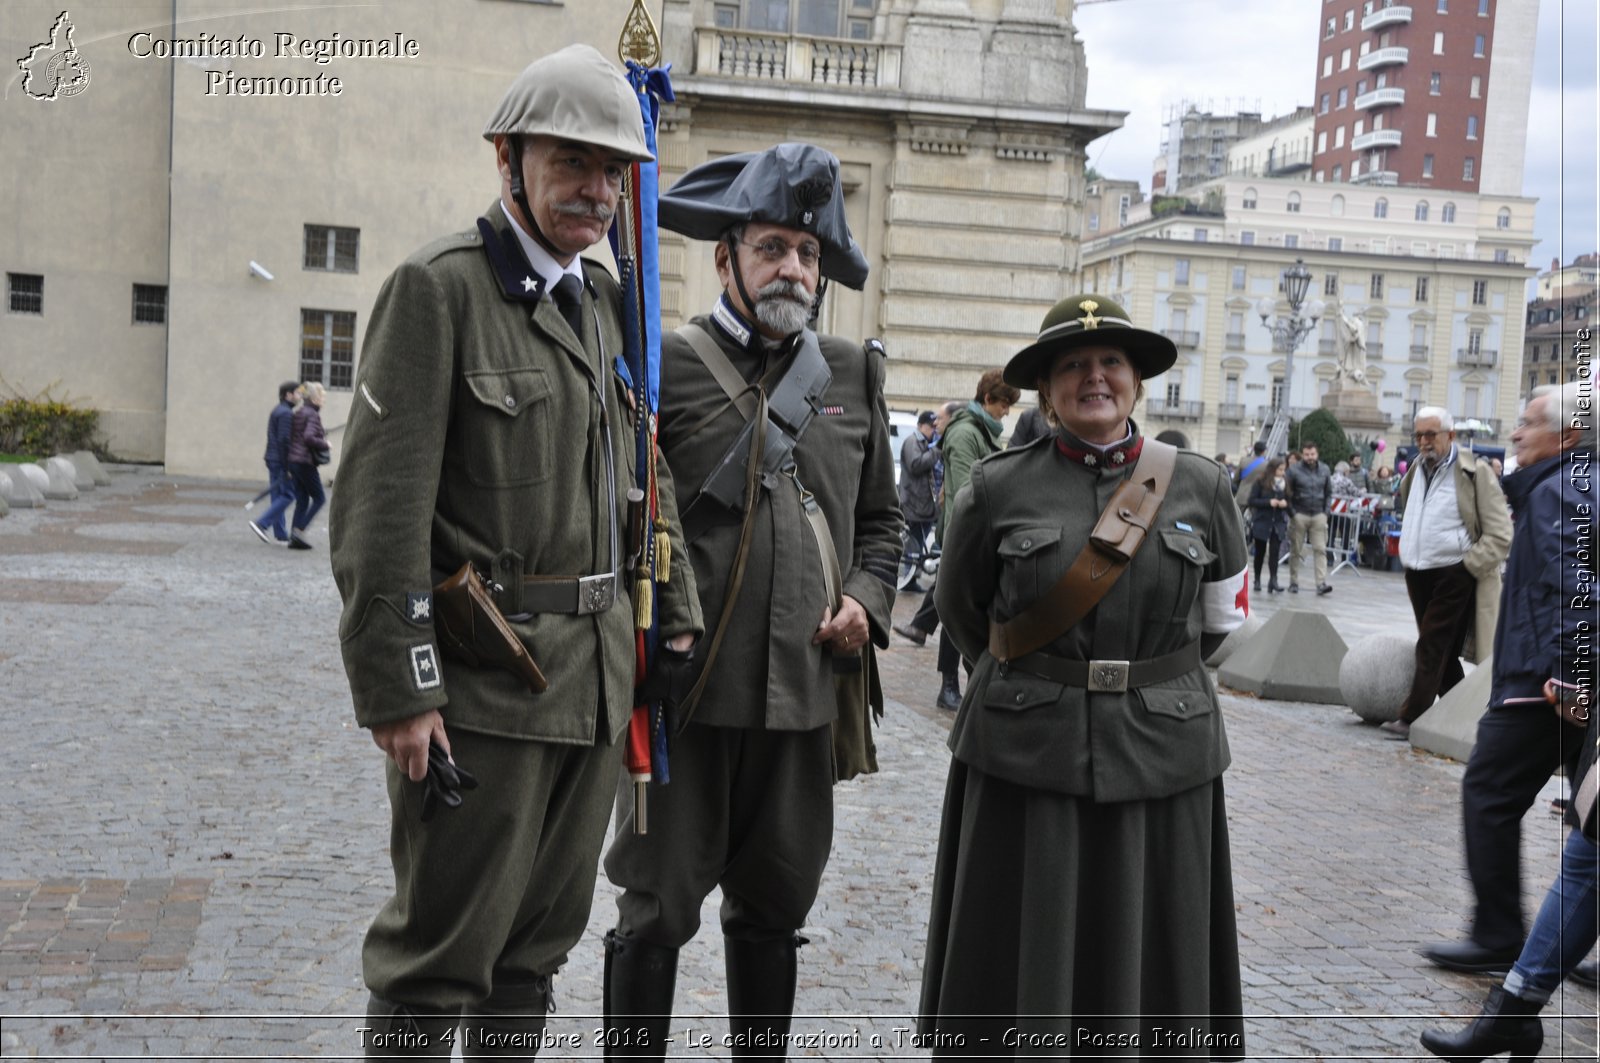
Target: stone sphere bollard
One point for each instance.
(1375, 676)
(1236, 638)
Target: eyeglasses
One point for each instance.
(1424, 437)
(773, 250)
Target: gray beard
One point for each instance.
(779, 313)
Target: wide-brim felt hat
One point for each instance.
(1089, 321)
(794, 185)
(574, 94)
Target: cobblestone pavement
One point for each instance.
(195, 831)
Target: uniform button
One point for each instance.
(511, 404)
(1021, 697)
(1193, 552)
(1027, 543)
(1183, 708)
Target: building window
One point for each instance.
(1469, 167)
(811, 18)
(1438, 42)
(1249, 199)
(1330, 29)
(1344, 101)
(1338, 134)
(1375, 287)
(1174, 393)
(1361, 90)
(1247, 238)
(1476, 89)
(1472, 127)
(1238, 278)
(1355, 169)
(1122, 210)
(1475, 340)
(1349, 20)
(1335, 243)
(1322, 106)
(1322, 139)
(1427, 166)
(1434, 83)
(1293, 206)
(1448, 213)
(1421, 213)
(1478, 46)
(1338, 172)
(1336, 206)
(1327, 66)
(1480, 293)
(1291, 240)
(149, 304)
(1433, 126)
(328, 347)
(1502, 255)
(1444, 7)
(1483, 8)
(725, 17)
(1181, 271)
(1380, 209)
(1502, 220)
(332, 248)
(1094, 221)
(1201, 235)
(1422, 290)
(1330, 284)
(25, 293)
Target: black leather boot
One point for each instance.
(639, 981)
(395, 1029)
(950, 693)
(1506, 1024)
(510, 1022)
(761, 984)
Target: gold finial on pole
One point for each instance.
(639, 41)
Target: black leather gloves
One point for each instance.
(671, 677)
(444, 782)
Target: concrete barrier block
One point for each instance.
(87, 462)
(82, 478)
(1375, 676)
(1294, 657)
(1236, 638)
(1450, 727)
(61, 479)
(20, 490)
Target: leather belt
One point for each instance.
(1107, 676)
(569, 594)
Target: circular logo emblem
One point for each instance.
(67, 73)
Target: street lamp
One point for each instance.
(1287, 332)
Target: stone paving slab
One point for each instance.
(195, 832)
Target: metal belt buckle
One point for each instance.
(1108, 677)
(596, 594)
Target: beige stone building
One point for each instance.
(201, 200)
(1434, 279)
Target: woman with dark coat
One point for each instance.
(1269, 520)
(1082, 901)
(306, 443)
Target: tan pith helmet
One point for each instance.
(574, 94)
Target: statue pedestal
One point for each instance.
(1355, 406)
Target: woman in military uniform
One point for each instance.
(1083, 896)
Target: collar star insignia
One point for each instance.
(1118, 457)
(529, 284)
(1089, 306)
(1090, 460)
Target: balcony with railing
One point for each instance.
(778, 57)
(1375, 350)
(1421, 352)
(1183, 410)
(1384, 97)
(1383, 57)
(1378, 138)
(1230, 411)
(1398, 15)
(1233, 341)
(1477, 358)
(1326, 346)
(1182, 337)
(1265, 414)
(1386, 178)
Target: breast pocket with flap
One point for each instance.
(506, 427)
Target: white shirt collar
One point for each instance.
(542, 261)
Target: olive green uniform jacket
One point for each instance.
(477, 434)
(967, 439)
(767, 674)
(1013, 533)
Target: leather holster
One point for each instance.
(472, 630)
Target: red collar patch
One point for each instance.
(1117, 457)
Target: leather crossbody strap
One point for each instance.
(1117, 536)
(728, 378)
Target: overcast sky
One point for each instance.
(1145, 56)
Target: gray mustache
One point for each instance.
(598, 211)
(785, 290)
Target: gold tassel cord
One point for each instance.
(663, 552)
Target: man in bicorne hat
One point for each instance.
(490, 427)
(795, 566)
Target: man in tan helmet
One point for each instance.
(490, 427)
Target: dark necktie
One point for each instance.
(569, 300)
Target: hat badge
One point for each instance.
(1089, 306)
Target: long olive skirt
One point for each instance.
(1065, 928)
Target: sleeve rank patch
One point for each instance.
(419, 607)
(425, 667)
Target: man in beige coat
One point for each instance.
(1454, 535)
(489, 426)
